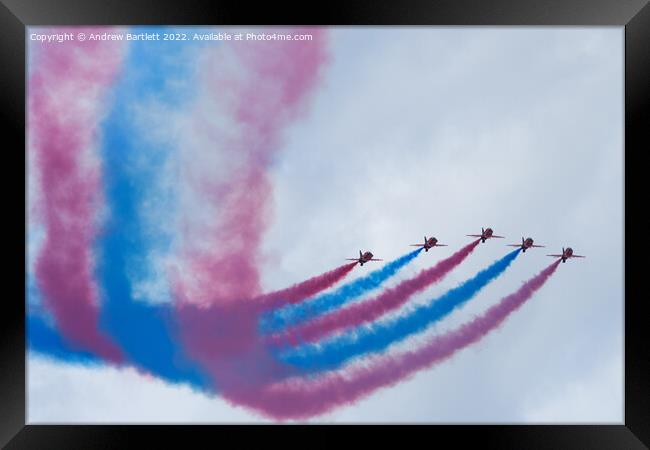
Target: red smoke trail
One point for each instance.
(224, 337)
(303, 398)
(66, 89)
(224, 269)
(370, 310)
(253, 90)
(307, 288)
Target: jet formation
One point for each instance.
(486, 233)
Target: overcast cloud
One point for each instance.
(441, 131)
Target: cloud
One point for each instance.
(597, 398)
(76, 394)
(440, 131)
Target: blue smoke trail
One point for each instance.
(309, 309)
(45, 339)
(377, 337)
(152, 74)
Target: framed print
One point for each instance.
(408, 215)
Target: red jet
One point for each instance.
(485, 234)
(428, 243)
(566, 254)
(525, 244)
(364, 258)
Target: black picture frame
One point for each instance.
(634, 15)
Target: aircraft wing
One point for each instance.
(556, 256)
(375, 259)
(417, 245)
(500, 237)
(577, 256)
(442, 245)
(538, 245)
(474, 235)
(513, 245)
(352, 259)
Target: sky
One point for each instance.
(407, 131)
